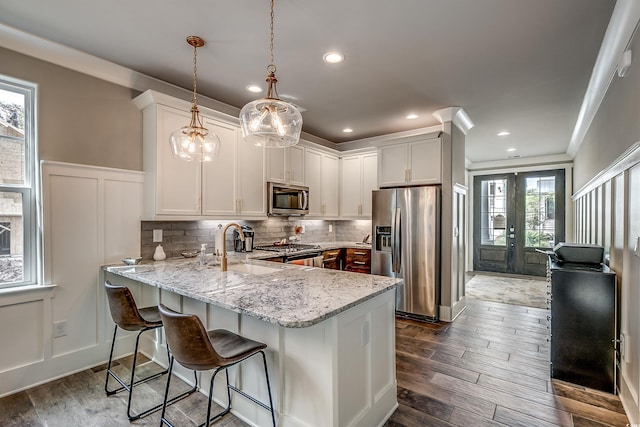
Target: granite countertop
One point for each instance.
(288, 295)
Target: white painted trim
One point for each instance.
(628, 159)
(557, 160)
(457, 115)
(620, 31)
(374, 141)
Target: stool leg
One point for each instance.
(266, 373)
(106, 382)
(163, 421)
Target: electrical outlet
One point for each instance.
(330, 228)
(302, 229)
(157, 236)
(59, 329)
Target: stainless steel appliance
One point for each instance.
(291, 252)
(247, 244)
(406, 230)
(287, 200)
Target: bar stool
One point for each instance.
(196, 348)
(127, 316)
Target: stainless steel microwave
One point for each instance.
(288, 200)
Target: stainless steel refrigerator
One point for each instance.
(406, 231)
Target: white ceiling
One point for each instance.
(519, 65)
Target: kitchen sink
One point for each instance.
(252, 268)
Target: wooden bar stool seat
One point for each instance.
(192, 346)
(126, 315)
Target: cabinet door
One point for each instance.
(369, 182)
(295, 165)
(219, 176)
(393, 165)
(425, 162)
(252, 192)
(177, 182)
(351, 187)
(276, 164)
(313, 180)
(330, 185)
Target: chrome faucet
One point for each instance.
(223, 260)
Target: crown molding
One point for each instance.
(620, 31)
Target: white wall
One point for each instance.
(91, 217)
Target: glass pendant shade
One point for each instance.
(194, 142)
(271, 123)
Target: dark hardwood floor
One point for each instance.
(488, 368)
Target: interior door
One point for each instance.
(514, 215)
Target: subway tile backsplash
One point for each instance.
(181, 236)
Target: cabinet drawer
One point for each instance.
(332, 259)
(358, 260)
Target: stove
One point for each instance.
(289, 247)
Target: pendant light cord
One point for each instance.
(271, 40)
(195, 73)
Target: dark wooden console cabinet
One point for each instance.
(584, 325)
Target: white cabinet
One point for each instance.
(410, 163)
(359, 179)
(286, 165)
(174, 188)
(321, 176)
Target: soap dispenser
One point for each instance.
(159, 254)
(203, 255)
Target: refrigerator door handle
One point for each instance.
(395, 244)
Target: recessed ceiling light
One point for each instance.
(504, 133)
(511, 149)
(347, 130)
(253, 88)
(333, 57)
(412, 116)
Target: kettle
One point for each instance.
(247, 245)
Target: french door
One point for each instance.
(515, 214)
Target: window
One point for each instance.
(18, 189)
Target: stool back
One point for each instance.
(124, 311)
(188, 340)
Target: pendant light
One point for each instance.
(195, 142)
(269, 121)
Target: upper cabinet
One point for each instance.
(321, 176)
(359, 179)
(174, 188)
(410, 163)
(286, 165)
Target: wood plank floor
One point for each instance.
(488, 368)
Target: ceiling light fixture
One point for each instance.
(347, 130)
(333, 57)
(195, 142)
(511, 149)
(504, 133)
(253, 88)
(412, 116)
(270, 122)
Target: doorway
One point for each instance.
(517, 215)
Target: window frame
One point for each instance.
(30, 190)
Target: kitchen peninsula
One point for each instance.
(330, 334)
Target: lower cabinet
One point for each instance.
(358, 260)
(332, 259)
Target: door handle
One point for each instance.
(398, 243)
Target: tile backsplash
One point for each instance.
(180, 236)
